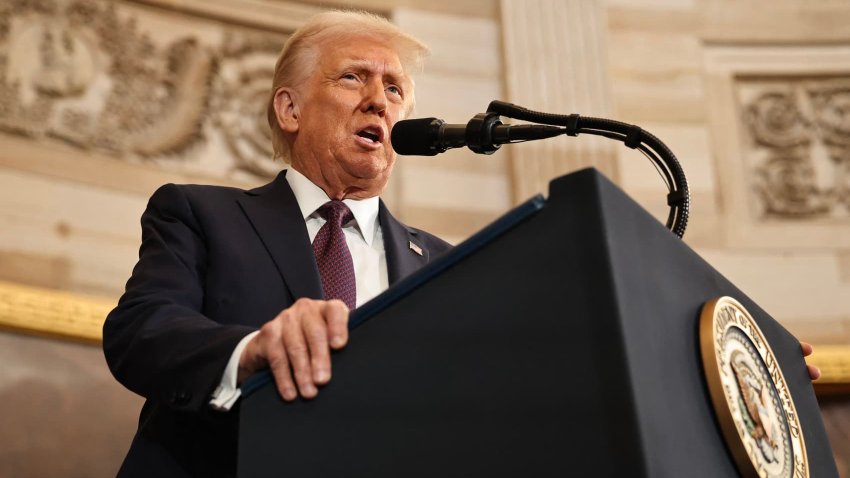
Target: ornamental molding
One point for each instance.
(178, 89)
(52, 313)
(779, 117)
(798, 145)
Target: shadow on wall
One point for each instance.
(64, 415)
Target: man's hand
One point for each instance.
(814, 372)
(296, 345)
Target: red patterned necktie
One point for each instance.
(333, 256)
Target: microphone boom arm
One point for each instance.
(632, 136)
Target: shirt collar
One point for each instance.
(311, 197)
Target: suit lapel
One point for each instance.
(276, 217)
(402, 258)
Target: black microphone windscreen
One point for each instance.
(414, 137)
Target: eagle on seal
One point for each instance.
(756, 398)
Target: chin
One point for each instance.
(370, 168)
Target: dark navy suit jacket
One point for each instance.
(215, 264)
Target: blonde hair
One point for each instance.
(300, 54)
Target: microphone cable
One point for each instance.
(634, 137)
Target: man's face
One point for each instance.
(344, 114)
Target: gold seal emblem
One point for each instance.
(750, 395)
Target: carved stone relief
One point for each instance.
(240, 98)
(798, 135)
(99, 75)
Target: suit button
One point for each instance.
(180, 398)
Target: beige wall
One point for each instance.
(101, 104)
(693, 73)
(63, 413)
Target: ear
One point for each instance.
(286, 109)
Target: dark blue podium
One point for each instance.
(562, 340)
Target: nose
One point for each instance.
(374, 97)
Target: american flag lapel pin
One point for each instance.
(415, 248)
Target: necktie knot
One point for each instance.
(336, 212)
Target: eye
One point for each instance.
(350, 76)
(395, 90)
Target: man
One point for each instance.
(229, 282)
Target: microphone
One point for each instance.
(484, 134)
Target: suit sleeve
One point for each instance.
(157, 341)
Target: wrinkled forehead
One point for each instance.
(375, 54)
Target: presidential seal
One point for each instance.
(750, 396)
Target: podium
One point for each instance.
(562, 340)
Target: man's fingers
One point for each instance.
(316, 333)
(279, 365)
(336, 316)
(814, 372)
(298, 353)
(283, 378)
(296, 345)
(266, 349)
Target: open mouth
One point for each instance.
(371, 134)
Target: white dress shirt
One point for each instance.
(365, 241)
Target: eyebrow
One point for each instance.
(397, 75)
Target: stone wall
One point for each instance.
(751, 97)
